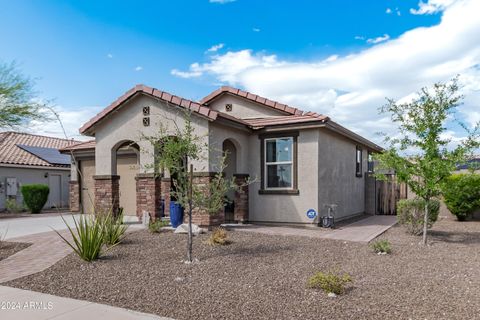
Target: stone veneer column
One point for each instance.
(107, 193)
(240, 211)
(148, 195)
(74, 196)
(200, 217)
(165, 194)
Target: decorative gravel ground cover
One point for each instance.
(9, 248)
(264, 277)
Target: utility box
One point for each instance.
(12, 187)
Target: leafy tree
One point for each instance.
(174, 152)
(420, 153)
(17, 105)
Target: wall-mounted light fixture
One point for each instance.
(46, 175)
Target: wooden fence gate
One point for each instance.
(381, 196)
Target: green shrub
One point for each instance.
(330, 282)
(381, 246)
(88, 237)
(218, 237)
(461, 193)
(157, 225)
(113, 227)
(410, 213)
(12, 206)
(35, 196)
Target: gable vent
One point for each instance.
(228, 107)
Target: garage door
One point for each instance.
(127, 169)
(87, 168)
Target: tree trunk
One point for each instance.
(425, 222)
(190, 209)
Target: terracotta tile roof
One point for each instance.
(252, 97)
(86, 145)
(164, 96)
(259, 123)
(10, 153)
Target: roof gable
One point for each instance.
(158, 94)
(251, 97)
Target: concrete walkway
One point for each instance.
(46, 248)
(18, 304)
(363, 230)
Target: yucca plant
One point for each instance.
(88, 237)
(113, 228)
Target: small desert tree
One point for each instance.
(420, 154)
(175, 151)
(17, 105)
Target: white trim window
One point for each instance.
(279, 157)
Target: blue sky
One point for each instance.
(86, 53)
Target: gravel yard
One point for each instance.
(263, 277)
(9, 248)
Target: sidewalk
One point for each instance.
(18, 304)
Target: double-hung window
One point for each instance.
(279, 163)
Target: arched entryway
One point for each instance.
(230, 153)
(126, 163)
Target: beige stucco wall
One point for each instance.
(243, 108)
(337, 182)
(287, 208)
(240, 138)
(126, 124)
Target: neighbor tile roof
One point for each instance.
(254, 98)
(162, 95)
(10, 153)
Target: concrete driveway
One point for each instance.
(24, 226)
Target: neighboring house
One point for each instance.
(299, 160)
(26, 159)
(473, 163)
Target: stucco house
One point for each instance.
(299, 160)
(28, 158)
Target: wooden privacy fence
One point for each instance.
(381, 196)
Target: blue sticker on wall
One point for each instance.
(311, 213)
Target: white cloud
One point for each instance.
(138, 68)
(388, 11)
(432, 6)
(109, 56)
(359, 38)
(193, 73)
(228, 67)
(72, 119)
(385, 37)
(256, 29)
(350, 88)
(221, 1)
(215, 47)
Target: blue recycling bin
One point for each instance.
(176, 214)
